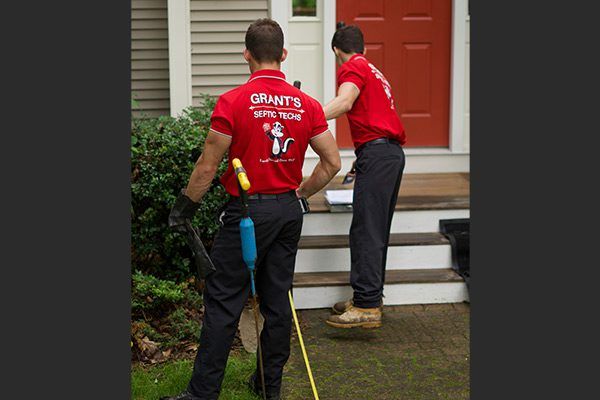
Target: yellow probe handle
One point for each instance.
(241, 173)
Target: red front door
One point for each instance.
(409, 41)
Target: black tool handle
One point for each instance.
(297, 84)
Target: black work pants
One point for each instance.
(277, 224)
(379, 170)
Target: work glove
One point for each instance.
(184, 208)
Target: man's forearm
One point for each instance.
(336, 107)
(200, 180)
(322, 174)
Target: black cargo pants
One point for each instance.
(277, 223)
(379, 170)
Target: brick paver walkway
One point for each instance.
(421, 352)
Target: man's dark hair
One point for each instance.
(264, 40)
(349, 39)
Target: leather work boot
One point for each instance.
(342, 306)
(181, 396)
(256, 388)
(356, 317)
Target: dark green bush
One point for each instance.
(153, 295)
(163, 153)
(166, 312)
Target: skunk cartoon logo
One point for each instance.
(280, 146)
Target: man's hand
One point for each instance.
(329, 165)
(343, 102)
(183, 209)
(351, 175)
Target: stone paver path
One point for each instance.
(421, 352)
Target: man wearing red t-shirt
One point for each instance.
(365, 96)
(268, 124)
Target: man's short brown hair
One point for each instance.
(264, 40)
(349, 39)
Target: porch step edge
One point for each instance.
(398, 276)
(396, 239)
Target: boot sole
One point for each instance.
(364, 325)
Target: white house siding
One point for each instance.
(217, 40)
(467, 87)
(149, 57)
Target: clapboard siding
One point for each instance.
(222, 69)
(206, 59)
(150, 57)
(228, 15)
(218, 37)
(217, 34)
(220, 5)
(141, 85)
(219, 26)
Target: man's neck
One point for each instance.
(345, 57)
(254, 67)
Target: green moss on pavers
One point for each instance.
(401, 360)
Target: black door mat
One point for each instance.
(457, 232)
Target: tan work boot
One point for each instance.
(356, 317)
(342, 306)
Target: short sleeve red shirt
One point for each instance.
(373, 114)
(270, 123)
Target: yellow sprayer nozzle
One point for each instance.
(241, 173)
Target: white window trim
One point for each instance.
(292, 18)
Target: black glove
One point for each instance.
(184, 208)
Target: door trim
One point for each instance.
(458, 76)
(329, 22)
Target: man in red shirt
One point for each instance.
(268, 124)
(365, 96)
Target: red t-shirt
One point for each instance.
(270, 123)
(373, 114)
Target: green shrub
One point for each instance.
(167, 312)
(163, 153)
(182, 327)
(153, 294)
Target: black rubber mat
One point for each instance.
(457, 232)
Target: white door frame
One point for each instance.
(279, 10)
(458, 76)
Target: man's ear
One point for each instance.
(364, 51)
(338, 57)
(247, 55)
(284, 54)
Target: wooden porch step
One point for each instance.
(439, 191)
(320, 279)
(396, 239)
